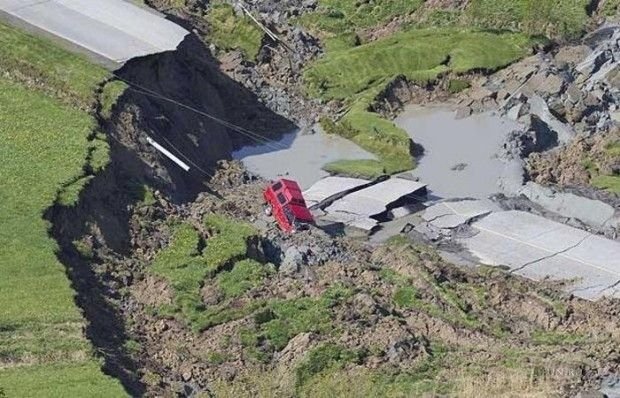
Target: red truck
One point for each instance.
(286, 203)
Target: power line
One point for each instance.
(250, 134)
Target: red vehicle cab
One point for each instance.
(286, 203)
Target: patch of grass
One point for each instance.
(406, 297)
(83, 248)
(422, 380)
(322, 358)
(281, 320)
(359, 168)
(204, 318)
(132, 347)
(608, 183)
(99, 153)
(65, 379)
(358, 75)
(342, 42)
(245, 275)
(457, 85)
(186, 268)
(111, 93)
(339, 16)
(543, 337)
(556, 19)
(40, 65)
(230, 31)
(611, 8)
(69, 195)
(344, 74)
(217, 358)
(229, 242)
(291, 317)
(612, 149)
(393, 277)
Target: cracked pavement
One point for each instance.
(538, 248)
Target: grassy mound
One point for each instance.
(186, 267)
(357, 75)
(46, 139)
(229, 31)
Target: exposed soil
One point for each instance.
(481, 315)
(575, 164)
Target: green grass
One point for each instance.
(33, 171)
(334, 381)
(418, 55)
(608, 183)
(186, 268)
(611, 8)
(229, 31)
(457, 85)
(245, 275)
(613, 149)
(111, 92)
(405, 297)
(335, 17)
(41, 65)
(547, 337)
(325, 357)
(58, 381)
(278, 321)
(45, 149)
(555, 19)
(357, 75)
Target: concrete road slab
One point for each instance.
(537, 248)
(330, 186)
(357, 209)
(448, 215)
(112, 30)
(375, 199)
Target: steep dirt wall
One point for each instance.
(100, 221)
(190, 76)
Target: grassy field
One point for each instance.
(40, 65)
(45, 141)
(357, 75)
(229, 31)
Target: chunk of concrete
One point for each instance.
(592, 212)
